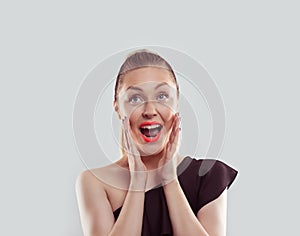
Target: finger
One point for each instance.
(176, 123)
(174, 129)
(130, 140)
(126, 141)
(129, 143)
(132, 146)
(169, 152)
(177, 127)
(130, 158)
(177, 140)
(174, 143)
(126, 138)
(177, 136)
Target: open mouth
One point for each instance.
(150, 131)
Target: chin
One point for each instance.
(152, 148)
(146, 150)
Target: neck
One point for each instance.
(151, 161)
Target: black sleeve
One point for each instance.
(217, 178)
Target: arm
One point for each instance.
(210, 220)
(95, 210)
(214, 214)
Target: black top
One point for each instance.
(202, 181)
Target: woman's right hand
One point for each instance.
(138, 171)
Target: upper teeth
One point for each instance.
(150, 126)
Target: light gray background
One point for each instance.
(250, 48)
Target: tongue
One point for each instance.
(150, 132)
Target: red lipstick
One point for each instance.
(149, 123)
(150, 139)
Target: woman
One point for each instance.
(163, 192)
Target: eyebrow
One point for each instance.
(156, 87)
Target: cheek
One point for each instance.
(133, 118)
(167, 110)
(125, 109)
(167, 116)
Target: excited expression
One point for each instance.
(148, 97)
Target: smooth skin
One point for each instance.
(97, 200)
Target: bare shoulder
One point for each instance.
(112, 176)
(86, 177)
(93, 177)
(94, 206)
(213, 215)
(88, 185)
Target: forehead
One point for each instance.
(147, 74)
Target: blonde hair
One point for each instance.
(139, 59)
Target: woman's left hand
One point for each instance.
(167, 165)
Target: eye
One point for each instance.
(162, 97)
(135, 99)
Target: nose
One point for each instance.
(149, 110)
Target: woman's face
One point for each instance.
(148, 97)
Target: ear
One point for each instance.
(116, 107)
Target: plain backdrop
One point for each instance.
(251, 49)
